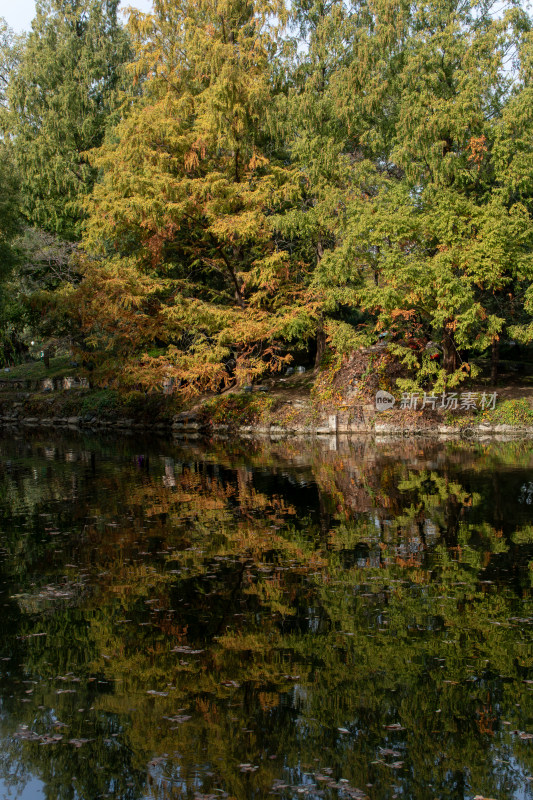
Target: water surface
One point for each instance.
(251, 621)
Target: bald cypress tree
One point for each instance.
(187, 279)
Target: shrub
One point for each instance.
(236, 409)
(510, 412)
(102, 403)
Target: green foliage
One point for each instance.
(100, 404)
(262, 180)
(510, 412)
(58, 92)
(149, 406)
(10, 219)
(433, 242)
(109, 403)
(11, 309)
(10, 46)
(236, 409)
(61, 95)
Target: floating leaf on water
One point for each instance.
(47, 739)
(25, 733)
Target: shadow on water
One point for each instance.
(204, 620)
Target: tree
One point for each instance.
(180, 219)
(340, 108)
(435, 244)
(9, 57)
(11, 311)
(61, 96)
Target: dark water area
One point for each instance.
(204, 620)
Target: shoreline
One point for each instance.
(274, 431)
(287, 410)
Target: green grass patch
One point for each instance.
(60, 367)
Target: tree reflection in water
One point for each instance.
(204, 620)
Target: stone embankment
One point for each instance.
(333, 425)
(44, 384)
(291, 419)
(18, 419)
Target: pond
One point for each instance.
(278, 620)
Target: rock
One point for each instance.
(382, 427)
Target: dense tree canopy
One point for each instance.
(263, 180)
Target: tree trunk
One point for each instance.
(450, 358)
(494, 360)
(237, 174)
(320, 344)
(320, 334)
(46, 357)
